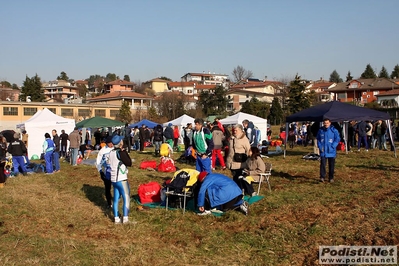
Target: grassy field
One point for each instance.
(61, 219)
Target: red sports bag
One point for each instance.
(150, 192)
(166, 165)
(148, 164)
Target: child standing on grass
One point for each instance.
(119, 160)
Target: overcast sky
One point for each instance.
(149, 39)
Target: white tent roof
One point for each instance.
(259, 122)
(181, 121)
(44, 121)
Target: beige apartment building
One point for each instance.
(14, 113)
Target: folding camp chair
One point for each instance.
(265, 177)
(188, 192)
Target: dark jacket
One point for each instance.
(168, 132)
(362, 128)
(17, 148)
(56, 141)
(158, 133)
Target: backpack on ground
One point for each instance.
(149, 192)
(179, 182)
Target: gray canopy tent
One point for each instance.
(338, 112)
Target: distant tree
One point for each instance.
(276, 112)
(171, 104)
(111, 77)
(63, 76)
(383, 73)
(368, 73)
(240, 73)
(213, 102)
(165, 78)
(15, 86)
(297, 98)
(126, 78)
(32, 87)
(256, 107)
(5, 84)
(395, 72)
(125, 115)
(349, 76)
(334, 77)
(82, 90)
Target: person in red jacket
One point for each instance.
(176, 135)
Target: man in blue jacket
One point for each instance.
(327, 141)
(220, 192)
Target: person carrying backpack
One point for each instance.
(119, 160)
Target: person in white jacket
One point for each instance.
(119, 160)
(103, 167)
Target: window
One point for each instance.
(10, 110)
(341, 95)
(247, 95)
(114, 113)
(30, 111)
(376, 92)
(66, 112)
(83, 112)
(353, 85)
(99, 112)
(364, 93)
(190, 91)
(52, 110)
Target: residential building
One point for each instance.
(9, 94)
(14, 113)
(361, 91)
(157, 85)
(321, 88)
(59, 91)
(118, 85)
(137, 101)
(388, 98)
(207, 78)
(245, 90)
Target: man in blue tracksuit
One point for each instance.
(327, 141)
(48, 149)
(220, 192)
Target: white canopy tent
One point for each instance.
(180, 121)
(258, 122)
(44, 121)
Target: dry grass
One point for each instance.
(61, 219)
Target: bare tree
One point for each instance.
(240, 73)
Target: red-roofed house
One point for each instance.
(321, 88)
(362, 90)
(244, 91)
(118, 85)
(388, 98)
(136, 100)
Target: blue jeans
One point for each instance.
(48, 158)
(121, 188)
(359, 142)
(56, 160)
(203, 164)
(18, 161)
(331, 166)
(74, 155)
(157, 145)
